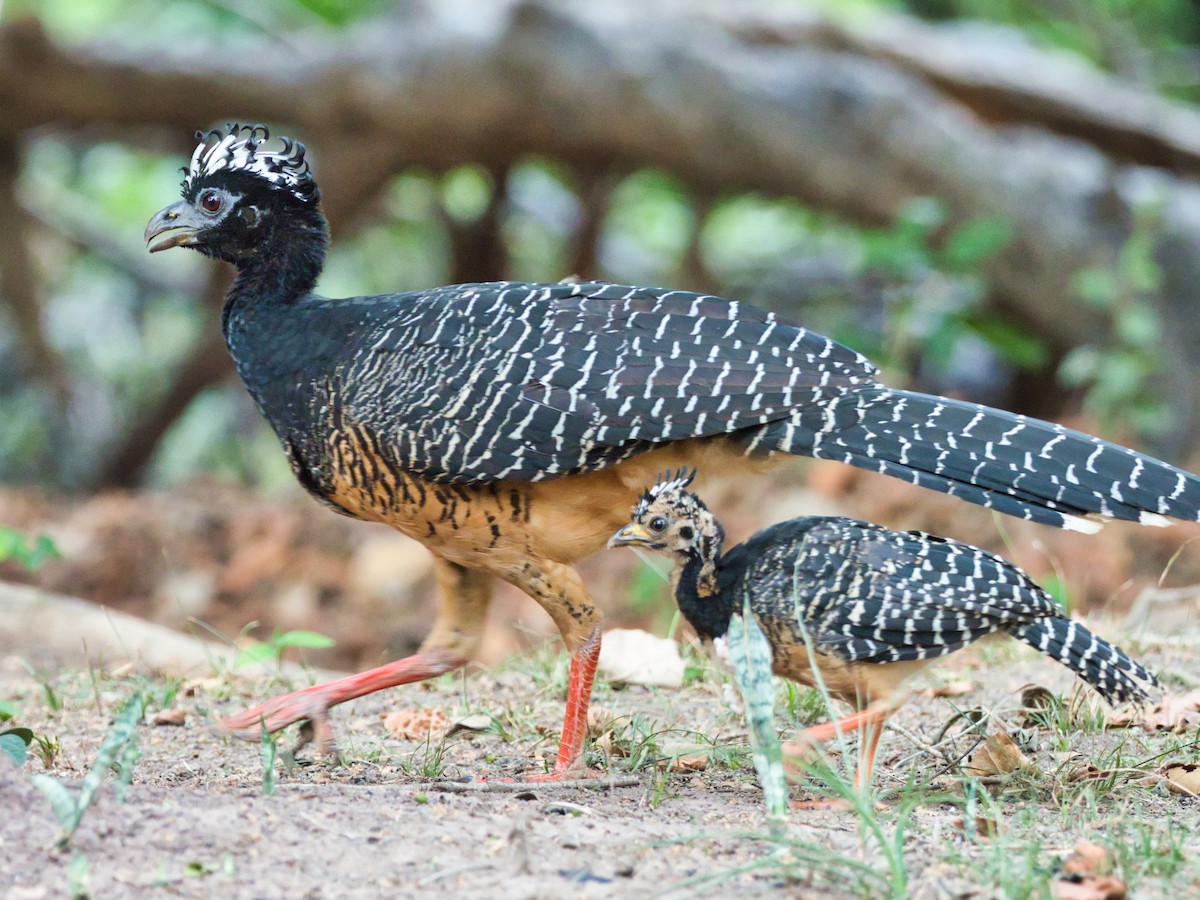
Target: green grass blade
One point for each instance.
(116, 746)
(123, 767)
(750, 657)
(269, 751)
(77, 877)
(122, 732)
(61, 801)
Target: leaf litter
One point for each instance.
(197, 797)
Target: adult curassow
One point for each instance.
(509, 427)
(867, 605)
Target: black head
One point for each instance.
(238, 195)
(671, 520)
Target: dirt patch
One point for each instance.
(196, 821)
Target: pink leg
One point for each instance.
(869, 723)
(312, 704)
(869, 735)
(579, 694)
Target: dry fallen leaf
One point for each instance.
(692, 762)
(476, 723)
(1087, 772)
(173, 716)
(599, 720)
(984, 826)
(210, 684)
(1183, 778)
(1087, 875)
(632, 656)
(949, 689)
(1087, 859)
(604, 744)
(416, 724)
(999, 755)
(1176, 713)
(1037, 699)
(1090, 887)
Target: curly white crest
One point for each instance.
(671, 482)
(668, 483)
(240, 148)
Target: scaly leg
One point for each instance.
(465, 595)
(869, 735)
(579, 694)
(559, 590)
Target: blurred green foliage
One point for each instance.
(938, 293)
(912, 294)
(1152, 42)
(272, 649)
(32, 553)
(1119, 377)
(195, 23)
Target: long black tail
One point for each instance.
(1095, 660)
(1020, 466)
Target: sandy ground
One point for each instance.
(196, 822)
(406, 818)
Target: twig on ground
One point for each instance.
(471, 787)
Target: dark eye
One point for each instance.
(210, 201)
(658, 524)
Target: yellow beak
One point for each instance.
(633, 533)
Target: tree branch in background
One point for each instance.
(852, 135)
(694, 267)
(477, 249)
(595, 187)
(19, 283)
(1002, 76)
(206, 365)
(757, 99)
(88, 235)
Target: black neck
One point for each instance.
(283, 266)
(706, 608)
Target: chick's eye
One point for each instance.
(210, 201)
(658, 524)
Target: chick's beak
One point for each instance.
(178, 222)
(633, 533)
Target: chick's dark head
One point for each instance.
(238, 194)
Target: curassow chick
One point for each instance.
(878, 605)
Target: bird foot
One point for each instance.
(311, 705)
(319, 732)
(311, 710)
(795, 754)
(799, 752)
